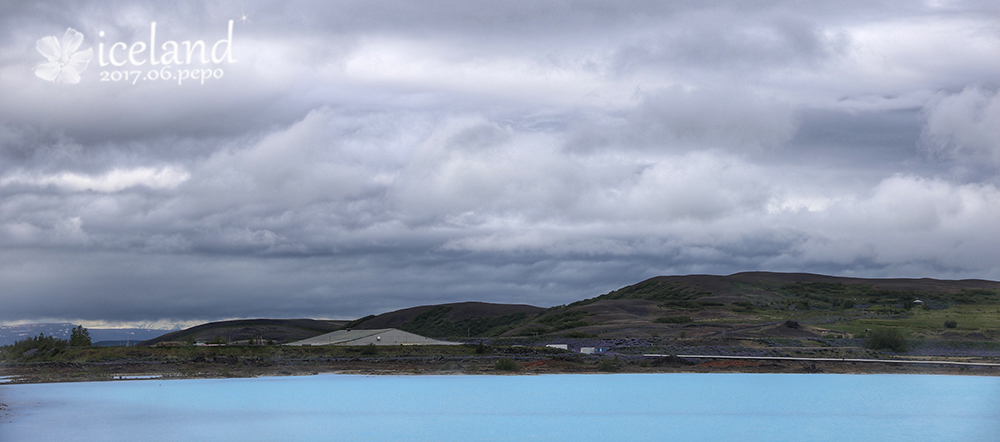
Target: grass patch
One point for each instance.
(919, 321)
(565, 320)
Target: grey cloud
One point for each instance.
(714, 117)
(964, 126)
(678, 120)
(365, 156)
(711, 39)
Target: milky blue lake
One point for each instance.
(619, 407)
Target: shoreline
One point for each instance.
(56, 372)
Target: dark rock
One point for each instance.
(792, 324)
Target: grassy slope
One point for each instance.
(453, 320)
(849, 305)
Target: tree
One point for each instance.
(80, 337)
(218, 340)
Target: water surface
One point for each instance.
(626, 407)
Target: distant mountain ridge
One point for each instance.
(690, 305)
(10, 334)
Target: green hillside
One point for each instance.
(750, 304)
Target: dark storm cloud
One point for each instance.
(365, 156)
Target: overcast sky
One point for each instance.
(354, 157)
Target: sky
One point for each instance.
(337, 159)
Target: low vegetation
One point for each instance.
(42, 347)
(886, 339)
(37, 347)
(565, 320)
(15, 353)
(506, 364)
(609, 365)
(655, 290)
(674, 320)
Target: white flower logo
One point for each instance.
(65, 64)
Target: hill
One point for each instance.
(277, 330)
(757, 303)
(457, 319)
(749, 304)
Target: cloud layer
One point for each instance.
(368, 156)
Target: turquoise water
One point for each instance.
(624, 407)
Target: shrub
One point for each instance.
(951, 324)
(369, 350)
(886, 339)
(38, 346)
(609, 365)
(674, 320)
(506, 365)
(218, 340)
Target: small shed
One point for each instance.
(382, 336)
